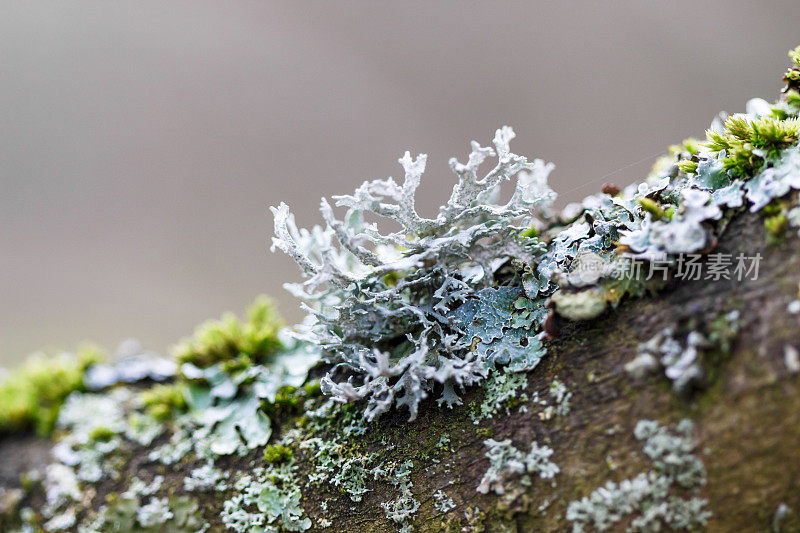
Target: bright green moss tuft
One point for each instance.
(684, 152)
(31, 395)
(234, 341)
(794, 54)
(792, 76)
(287, 401)
(163, 401)
(749, 143)
(277, 454)
(690, 146)
(688, 166)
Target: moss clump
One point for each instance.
(312, 388)
(229, 339)
(289, 400)
(277, 454)
(792, 76)
(749, 143)
(653, 207)
(688, 166)
(101, 434)
(31, 395)
(163, 401)
(685, 152)
(776, 225)
(775, 220)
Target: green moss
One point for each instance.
(749, 143)
(776, 225)
(312, 388)
(652, 207)
(792, 76)
(689, 145)
(684, 152)
(277, 454)
(31, 395)
(164, 401)
(688, 166)
(234, 341)
(101, 433)
(484, 433)
(288, 400)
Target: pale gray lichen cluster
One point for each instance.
(401, 510)
(511, 469)
(682, 361)
(442, 502)
(666, 496)
(268, 500)
(132, 363)
(81, 457)
(138, 509)
(382, 305)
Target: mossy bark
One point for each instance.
(747, 418)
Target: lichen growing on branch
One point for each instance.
(234, 435)
(383, 304)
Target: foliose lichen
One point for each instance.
(382, 303)
(268, 499)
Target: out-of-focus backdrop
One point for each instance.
(141, 142)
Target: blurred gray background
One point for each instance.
(141, 142)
